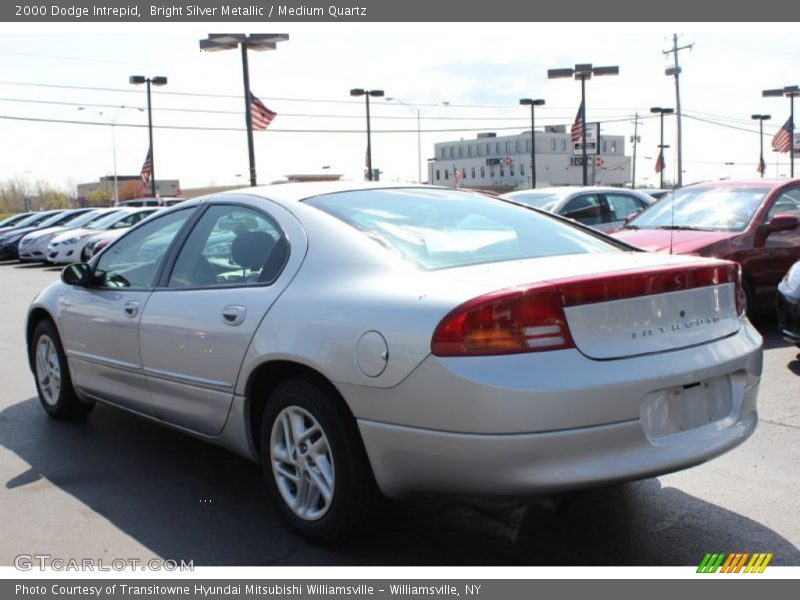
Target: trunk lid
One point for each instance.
(622, 305)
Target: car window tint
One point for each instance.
(438, 229)
(586, 209)
(788, 203)
(230, 245)
(622, 206)
(134, 259)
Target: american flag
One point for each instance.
(147, 167)
(660, 162)
(577, 127)
(457, 175)
(782, 142)
(260, 115)
(762, 166)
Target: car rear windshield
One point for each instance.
(704, 208)
(439, 229)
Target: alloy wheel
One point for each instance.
(302, 463)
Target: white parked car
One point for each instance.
(33, 247)
(66, 247)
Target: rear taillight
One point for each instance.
(506, 322)
(532, 318)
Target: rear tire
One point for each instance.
(316, 467)
(51, 373)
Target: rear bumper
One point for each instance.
(408, 460)
(549, 428)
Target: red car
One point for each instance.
(754, 223)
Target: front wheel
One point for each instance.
(316, 468)
(51, 372)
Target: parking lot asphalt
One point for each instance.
(115, 486)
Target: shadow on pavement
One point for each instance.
(184, 499)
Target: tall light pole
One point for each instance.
(138, 80)
(583, 72)
(375, 94)
(635, 140)
(533, 104)
(762, 166)
(662, 111)
(113, 123)
(675, 71)
(792, 91)
(418, 111)
(256, 41)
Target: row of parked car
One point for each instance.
(65, 236)
(753, 223)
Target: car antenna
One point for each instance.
(671, 217)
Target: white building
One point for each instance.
(503, 163)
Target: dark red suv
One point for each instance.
(754, 223)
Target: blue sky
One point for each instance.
(480, 69)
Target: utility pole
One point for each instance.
(635, 140)
(676, 71)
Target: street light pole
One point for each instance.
(367, 94)
(635, 144)
(417, 111)
(762, 166)
(583, 72)
(113, 124)
(661, 146)
(256, 41)
(533, 104)
(791, 91)
(138, 80)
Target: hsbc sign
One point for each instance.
(506, 160)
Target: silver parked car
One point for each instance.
(358, 339)
(603, 208)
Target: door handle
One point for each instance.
(234, 314)
(131, 309)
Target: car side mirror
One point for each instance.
(782, 222)
(77, 274)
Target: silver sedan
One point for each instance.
(359, 340)
(603, 208)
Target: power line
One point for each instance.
(718, 124)
(521, 120)
(271, 129)
(284, 98)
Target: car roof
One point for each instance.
(563, 192)
(297, 192)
